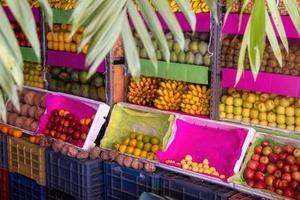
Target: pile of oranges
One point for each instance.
(18, 134)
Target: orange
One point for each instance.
(11, 131)
(129, 150)
(122, 148)
(132, 142)
(17, 133)
(37, 140)
(4, 130)
(137, 152)
(126, 141)
(154, 148)
(143, 154)
(32, 139)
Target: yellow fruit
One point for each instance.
(61, 46)
(137, 152)
(122, 148)
(140, 145)
(186, 167)
(147, 147)
(205, 162)
(139, 137)
(195, 169)
(154, 148)
(150, 156)
(129, 150)
(132, 142)
(126, 141)
(133, 135)
(55, 46)
(143, 154)
(188, 158)
(155, 140)
(66, 38)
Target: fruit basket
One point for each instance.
(65, 120)
(137, 132)
(271, 167)
(196, 145)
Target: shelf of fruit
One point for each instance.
(261, 109)
(63, 5)
(170, 95)
(271, 167)
(33, 75)
(75, 82)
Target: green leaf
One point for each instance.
(155, 27)
(143, 32)
(48, 11)
(23, 14)
(278, 22)
(293, 9)
(212, 4)
(244, 5)
(187, 10)
(273, 39)
(257, 36)
(131, 52)
(169, 17)
(2, 107)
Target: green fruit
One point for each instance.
(170, 44)
(83, 77)
(146, 139)
(55, 72)
(198, 59)
(76, 89)
(75, 76)
(190, 58)
(60, 86)
(101, 93)
(176, 48)
(84, 90)
(181, 57)
(203, 47)
(173, 57)
(143, 53)
(64, 76)
(68, 88)
(158, 55)
(207, 60)
(155, 140)
(193, 46)
(98, 81)
(93, 93)
(187, 44)
(52, 84)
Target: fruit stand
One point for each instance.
(186, 130)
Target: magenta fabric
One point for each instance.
(231, 25)
(221, 147)
(10, 16)
(266, 82)
(70, 60)
(80, 110)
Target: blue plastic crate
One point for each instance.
(23, 188)
(58, 195)
(127, 183)
(185, 188)
(81, 179)
(3, 152)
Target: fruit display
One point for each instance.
(33, 75)
(198, 6)
(196, 50)
(63, 4)
(23, 42)
(198, 167)
(140, 145)
(59, 40)
(4, 129)
(261, 109)
(290, 65)
(32, 107)
(75, 82)
(64, 126)
(274, 167)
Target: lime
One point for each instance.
(155, 140)
(139, 137)
(146, 139)
(139, 145)
(147, 147)
(155, 148)
(126, 141)
(132, 135)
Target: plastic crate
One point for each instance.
(185, 188)
(27, 159)
(3, 152)
(4, 183)
(81, 179)
(127, 183)
(242, 196)
(58, 195)
(23, 188)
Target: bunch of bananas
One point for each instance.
(198, 6)
(196, 100)
(63, 4)
(169, 95)
(142, 92)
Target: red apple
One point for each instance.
(298, 160)
(297, 196)
(261, 167)
(286, 169)
(269, 180)
(264, 160)
(265, 143)
(52, 133)
(279, 191)
(76, 135)
(84, 129)
(69, 116)
(283, 184)
(63, 137)
(258, 149)
(46, 132)
(280, 164)
(259, 176)
(260, 185)
(267, 150)
(288, 193)
(296, 176)
(294, 168)
(296, 153)
(70, 130)
(278, 149)
(250, 183)
(80, 143)
(60, 129)
(282, 156)
(57, 135)
(287, 177)
(83, 136)
(290, 160)
(276, 183)
(255, 157)
(293, 184)
(65, 130)
(271, 168)
(273, 157)
(289, 149)
(62, 121)
(277, 173)
(66, 123)
(252, 165)
(249, 174)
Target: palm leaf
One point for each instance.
(188, 12)
(293, 9)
